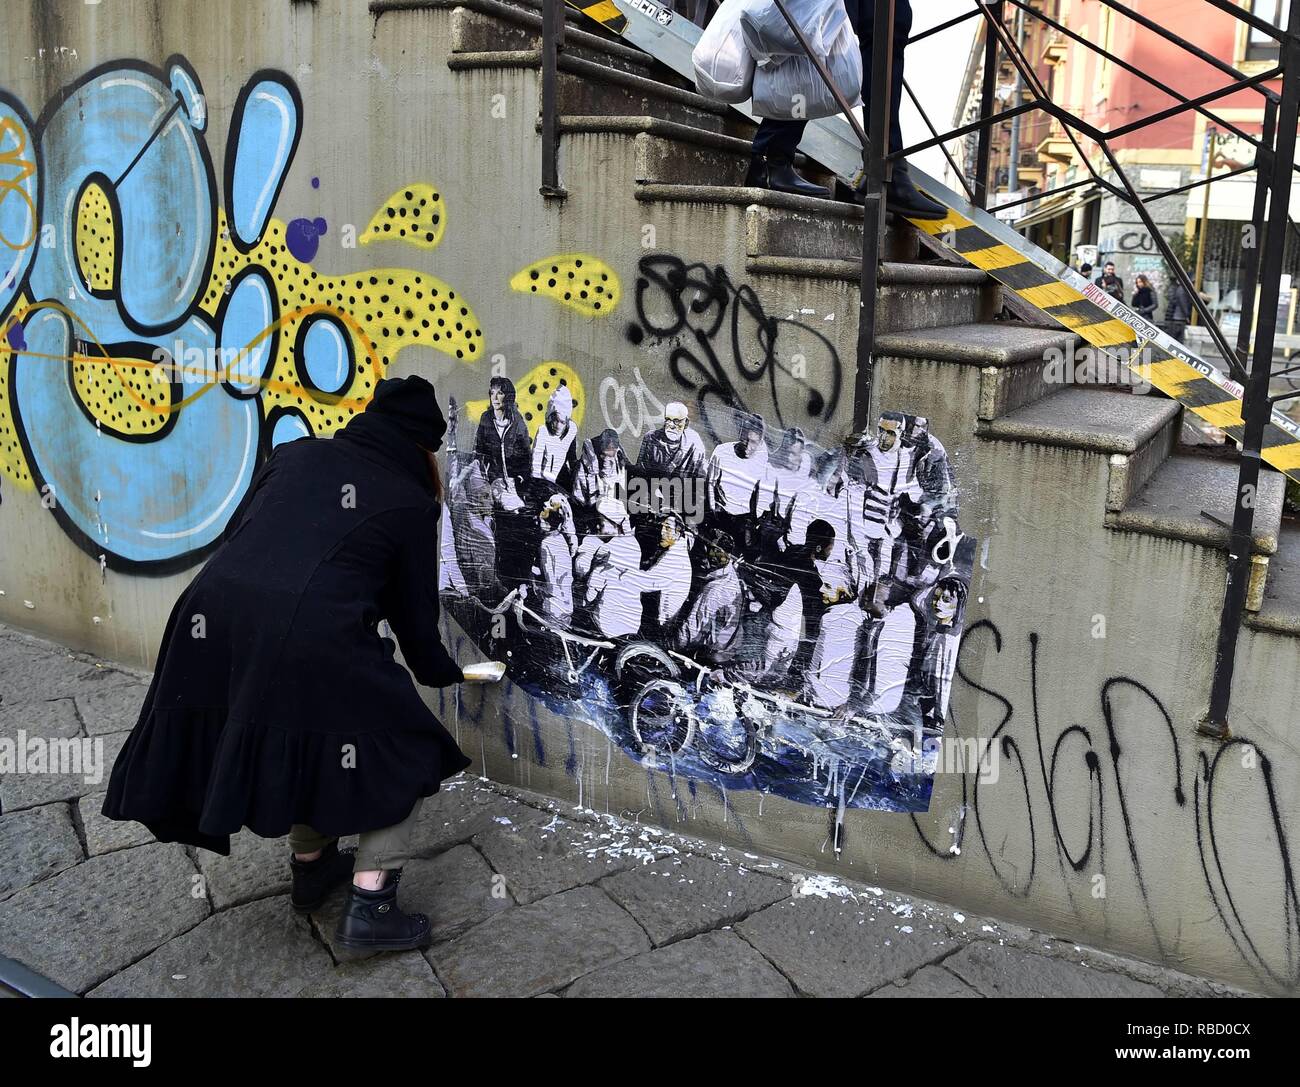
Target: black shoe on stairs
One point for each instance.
(780, 176)
(371, 921)
(904, 198)
(313, 880)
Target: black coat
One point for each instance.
(275, 700)
(1145, 301)
(518, 454)
(1180, 305)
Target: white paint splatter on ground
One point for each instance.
(822, 886)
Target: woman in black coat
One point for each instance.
(276, 704)
(1144, 298)
(503, 443)
(505, 450)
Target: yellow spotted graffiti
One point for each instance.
(581, 282)
(413, 214)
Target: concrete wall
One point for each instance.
(1110, 820)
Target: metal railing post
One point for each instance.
(552, 43)
(994, 14)
(1251, 271)
(876, 172)
(1256, 408)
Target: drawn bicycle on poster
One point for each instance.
(675, 706)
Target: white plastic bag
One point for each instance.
(793, 89)
(770, 38)
(724, 68)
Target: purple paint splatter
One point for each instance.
(17, 340)
(315, 183)
(303, 237)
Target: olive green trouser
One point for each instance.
(378, 849)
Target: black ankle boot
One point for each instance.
(371, 921)
(780, 176)
(313, 880)
(907, 200)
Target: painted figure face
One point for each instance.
(750, 440)
(944, 603)
(497, 398)
(556, 425)
(887, 435)
(791, 453)
(675, 421)
(1110, 269)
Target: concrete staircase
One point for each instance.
(690, 157)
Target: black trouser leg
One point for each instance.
(778, 140)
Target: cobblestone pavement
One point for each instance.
(528, 897)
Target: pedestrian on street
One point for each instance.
(1145, 300)
(1178, 312)
(1109, 282)
(277, 703)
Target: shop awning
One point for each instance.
(1053, 206)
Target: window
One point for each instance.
(1259, 46)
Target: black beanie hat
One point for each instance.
(412, 403)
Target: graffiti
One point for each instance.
(583, 283)
(716, 329)
(629, 409)
(757, 613)
(1028, 825)
(414, 215)
(131, 352)
(1135, 241)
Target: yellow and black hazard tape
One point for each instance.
(605, 12)
(1072, 309)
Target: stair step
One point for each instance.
(998, 343)
(485, 26)
(587, 88)
(1280, 612)
(1187, 486)
(819, 231)
(913, 296)
(572, 17)
(661, 161)
(902, 257)
(654, 126)
(804, 236)
(1092, 419)
(1012, 358)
